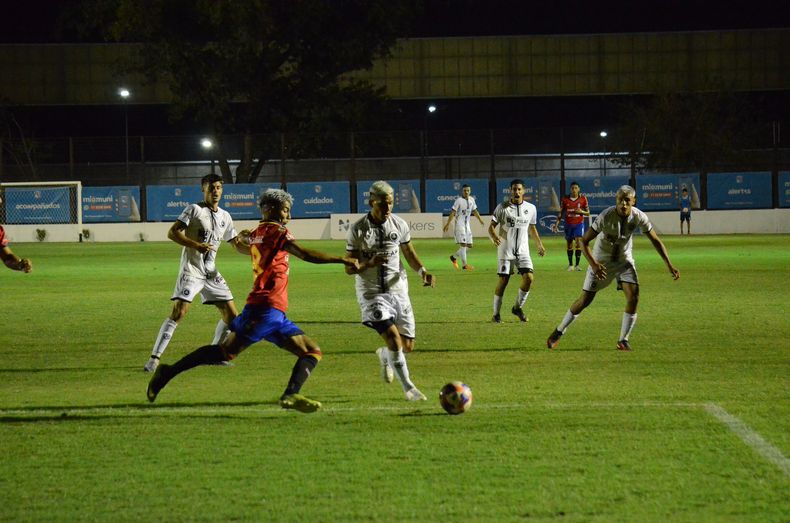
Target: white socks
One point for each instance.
(497, 304)
(522, 298)
(461, 253)
(220, 332)
(163, 338)
(629, 320)
(397, 361)
(566, 321)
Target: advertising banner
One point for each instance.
(165, 202)
(110, 204)
(440, 194)
(407, 195)
(241, 199)
(746, 190)
(319, 199)
(601, 191)
(784, 188)
(661, 192)
(421, 225)
(541, 191)
(37, 205)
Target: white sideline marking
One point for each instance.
(750, 437)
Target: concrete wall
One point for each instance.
(763, 221)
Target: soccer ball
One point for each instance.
(455, 397)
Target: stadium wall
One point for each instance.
(425, 225)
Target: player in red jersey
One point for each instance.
(263, 316)
(575, 208)
(11, 260)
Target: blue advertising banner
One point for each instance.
(503, 190)
(110, 204)
(407, 195)
(661, 192)
(541, 191)
(440, 194)
(241, 199)
(601, 191)
(165, 202)
(784, 188)
(37, 205)
(746, 190)
(320, 199)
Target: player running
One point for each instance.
(516, 219)
(612, 259)
(575, 209)
(463, 209)
(263, 317)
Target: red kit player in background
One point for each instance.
(575, 209)
(263, 316)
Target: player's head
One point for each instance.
(517, 190)
(685, 191)
(211, 184)
(276, 205)
(575, 189)
(466, 190)
(625, 200)
(382, 200)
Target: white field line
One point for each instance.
(750, 437)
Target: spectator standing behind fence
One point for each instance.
(11, 260)
(200, 229)
(463, 209)
(612, 259)
(685, 210)
(516, 218)
(574, 211)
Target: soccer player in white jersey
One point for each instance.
(200, 228)
(517, 219)
(377, 241)
(463, 209)
(612, 259)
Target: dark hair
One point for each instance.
(576, 184)
(684, 190)
(464, 186)
(210, 179)
(517, 181)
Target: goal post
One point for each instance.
(43, 203)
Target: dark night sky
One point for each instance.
(37, 21)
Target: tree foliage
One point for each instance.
(682, 131)
(256, 66)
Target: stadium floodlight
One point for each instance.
(432, 108)
(603, 134)
(206, 143)
(124, 93)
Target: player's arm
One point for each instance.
(599, 269)
(241, 242)
(176, 234)
(14, 262)
(534, 230)
(586, 209)
(311, 256)
(479, 218)
(362, 266)
(556, 225)
(661, 249)
(492, 232)
(414, 262)
(449, 219)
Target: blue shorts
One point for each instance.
(256, 323)
(574, 231)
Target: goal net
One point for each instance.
(42, 203)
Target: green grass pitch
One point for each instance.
(694, 425)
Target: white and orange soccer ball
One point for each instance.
(455, 397)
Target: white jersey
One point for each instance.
(204, 226)
(369, 240)
(514, 221)
(615, 234)
(464, 208)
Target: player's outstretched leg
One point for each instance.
(299, 403)
(554, 339)
(162, 375)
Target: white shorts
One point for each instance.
(622, 271)
(212, 290)
(463, 235)
(507, 267)
(394, 307)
